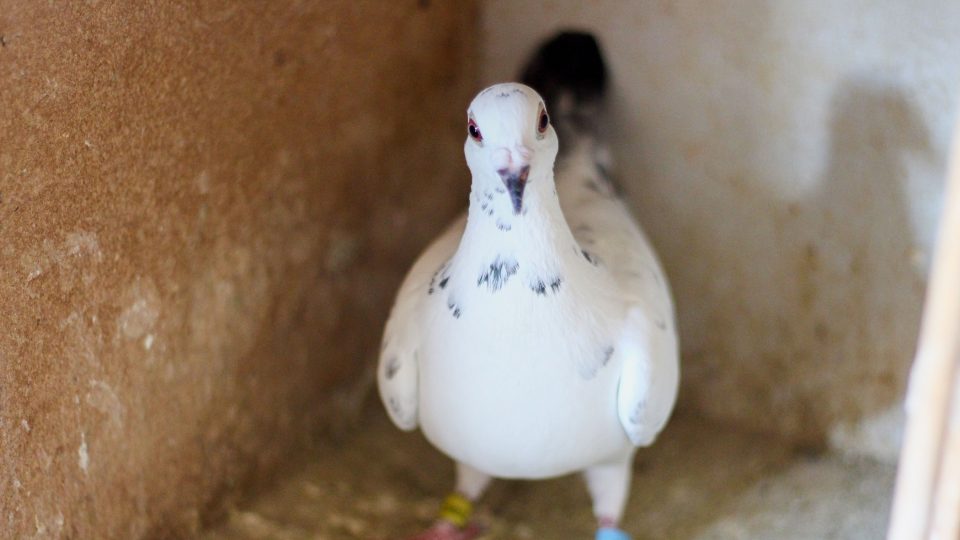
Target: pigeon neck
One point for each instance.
(538, 235)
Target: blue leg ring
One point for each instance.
(609, 533)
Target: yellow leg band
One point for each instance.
(456, 509)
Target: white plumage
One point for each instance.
(535, 339)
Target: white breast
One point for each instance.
(517, 389)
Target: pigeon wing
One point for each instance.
(649, 376)
(604, 229)
(397, 372)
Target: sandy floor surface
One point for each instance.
(699, 481)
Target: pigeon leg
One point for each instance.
(454, 522)
(608, 485)
(471, 483)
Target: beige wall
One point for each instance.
(787, 159)
(205, 209)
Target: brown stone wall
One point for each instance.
(204, 211)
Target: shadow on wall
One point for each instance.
(828, 334)
(858, 262)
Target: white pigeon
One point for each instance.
(536, 336)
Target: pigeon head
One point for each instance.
(510, 142)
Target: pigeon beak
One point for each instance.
(516, 181)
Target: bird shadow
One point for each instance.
(858, 287)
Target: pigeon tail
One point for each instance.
(570, 74)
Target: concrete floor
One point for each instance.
(700, 481)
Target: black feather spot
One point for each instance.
(391, 368)
(503, 226)
(603, 171)
(508, 94)
(443, 282)
(394, 406)
(454, 309)
(440, 272)
(539, 287)
(607, 355)
(496, 276)
(591, 258)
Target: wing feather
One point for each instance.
(398, 370)
(648, 345)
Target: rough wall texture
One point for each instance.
(787, 159)
(203, 216)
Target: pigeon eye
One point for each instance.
(474, 131)
(543, 122)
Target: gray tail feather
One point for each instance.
(569, 72)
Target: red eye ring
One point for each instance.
(543, 121)
(474, 131)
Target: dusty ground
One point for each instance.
(700, 481)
